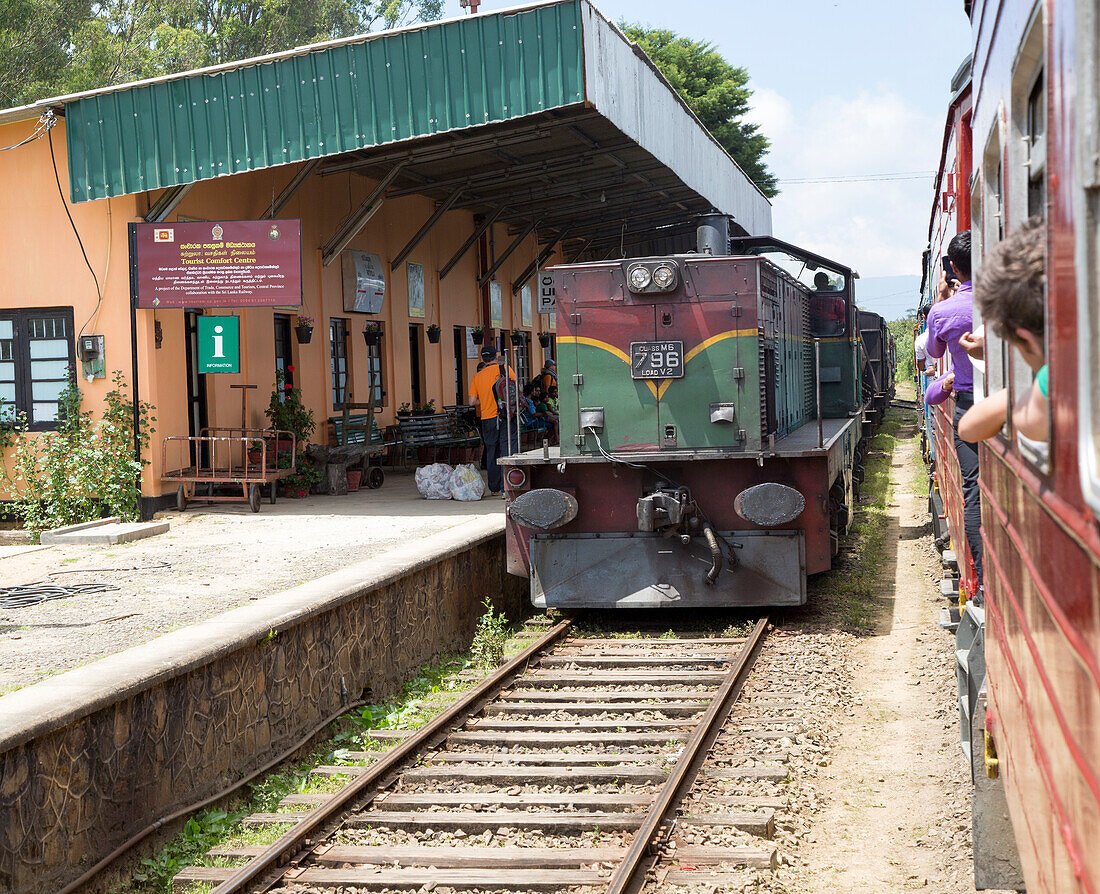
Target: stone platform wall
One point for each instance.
(90, 757)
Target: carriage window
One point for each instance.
(1087, 260)
(1035, 138)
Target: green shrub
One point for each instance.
(487, 649)
(84, 470)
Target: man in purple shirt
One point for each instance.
(948, 320)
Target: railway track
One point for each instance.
(582, 763)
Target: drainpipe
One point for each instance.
(132, 233)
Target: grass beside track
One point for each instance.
(850, 592)
(432, 690)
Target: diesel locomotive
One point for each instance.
(713, 423)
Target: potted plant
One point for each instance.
(427, 409)
(372, 334)
(433, 334)
(305, 477)
(286, 412)
(255, 452)
(544, 339)
(404, 410)
(355, 478)
(518, 338)
(478, 335)
(303, 328)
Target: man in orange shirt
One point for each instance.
(494, 428)
(549, 378)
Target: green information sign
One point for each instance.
(219, 344)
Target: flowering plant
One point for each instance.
(303, 320)
(286, 412)
(373, 326)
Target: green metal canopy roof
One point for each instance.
(544, 117)
(340, 97)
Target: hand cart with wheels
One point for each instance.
(247, 459)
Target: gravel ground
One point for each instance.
(218, 557)
(878, 796)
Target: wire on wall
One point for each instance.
(50, 121)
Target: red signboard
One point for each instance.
(233, 263)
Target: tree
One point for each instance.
(715, 91)
(71, 45)
(35, 36)
(903, 331)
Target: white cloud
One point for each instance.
(772, 112)
(878, 227)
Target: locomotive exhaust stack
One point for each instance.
(712, 235)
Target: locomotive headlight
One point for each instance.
(640, 278)
(664, 277)
(769, 504)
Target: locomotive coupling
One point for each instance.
(673, 512)
(667, 510)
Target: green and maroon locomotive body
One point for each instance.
(712, 430)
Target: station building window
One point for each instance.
(338, 352)
(460, 364)
(523, 362)
(375, 375)
(416, 363)
(37, 355)
(284, 357)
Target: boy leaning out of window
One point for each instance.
(1010, 292)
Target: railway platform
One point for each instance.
(213, 558)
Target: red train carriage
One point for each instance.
(950, 215)
(1036, 133)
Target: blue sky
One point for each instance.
(842, 89)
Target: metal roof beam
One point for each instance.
(358, 218)
(625, 205)
(439, 151)
(538, 262)
(499, 262)
(487, 222)
(580, 251)
(424, 230)
(167, 202)
(296, 183)
(586, 179)
(532, 169)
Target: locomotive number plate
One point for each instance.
(656, 359)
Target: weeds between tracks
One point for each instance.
(848, 592)
(427, 694)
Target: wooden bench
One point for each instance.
(358, 429)
(438, 433)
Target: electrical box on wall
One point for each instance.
(89, 347)
(91, 351)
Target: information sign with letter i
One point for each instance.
(219, 344)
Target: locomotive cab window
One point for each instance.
(828, 301)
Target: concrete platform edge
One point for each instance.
(36, 710)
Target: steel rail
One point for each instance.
(294, 839)
(683, 774)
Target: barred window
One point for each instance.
(37, 356)
(338, 338)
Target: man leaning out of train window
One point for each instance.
(951, 315)
(1010, 295)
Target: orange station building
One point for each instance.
(464, 155)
